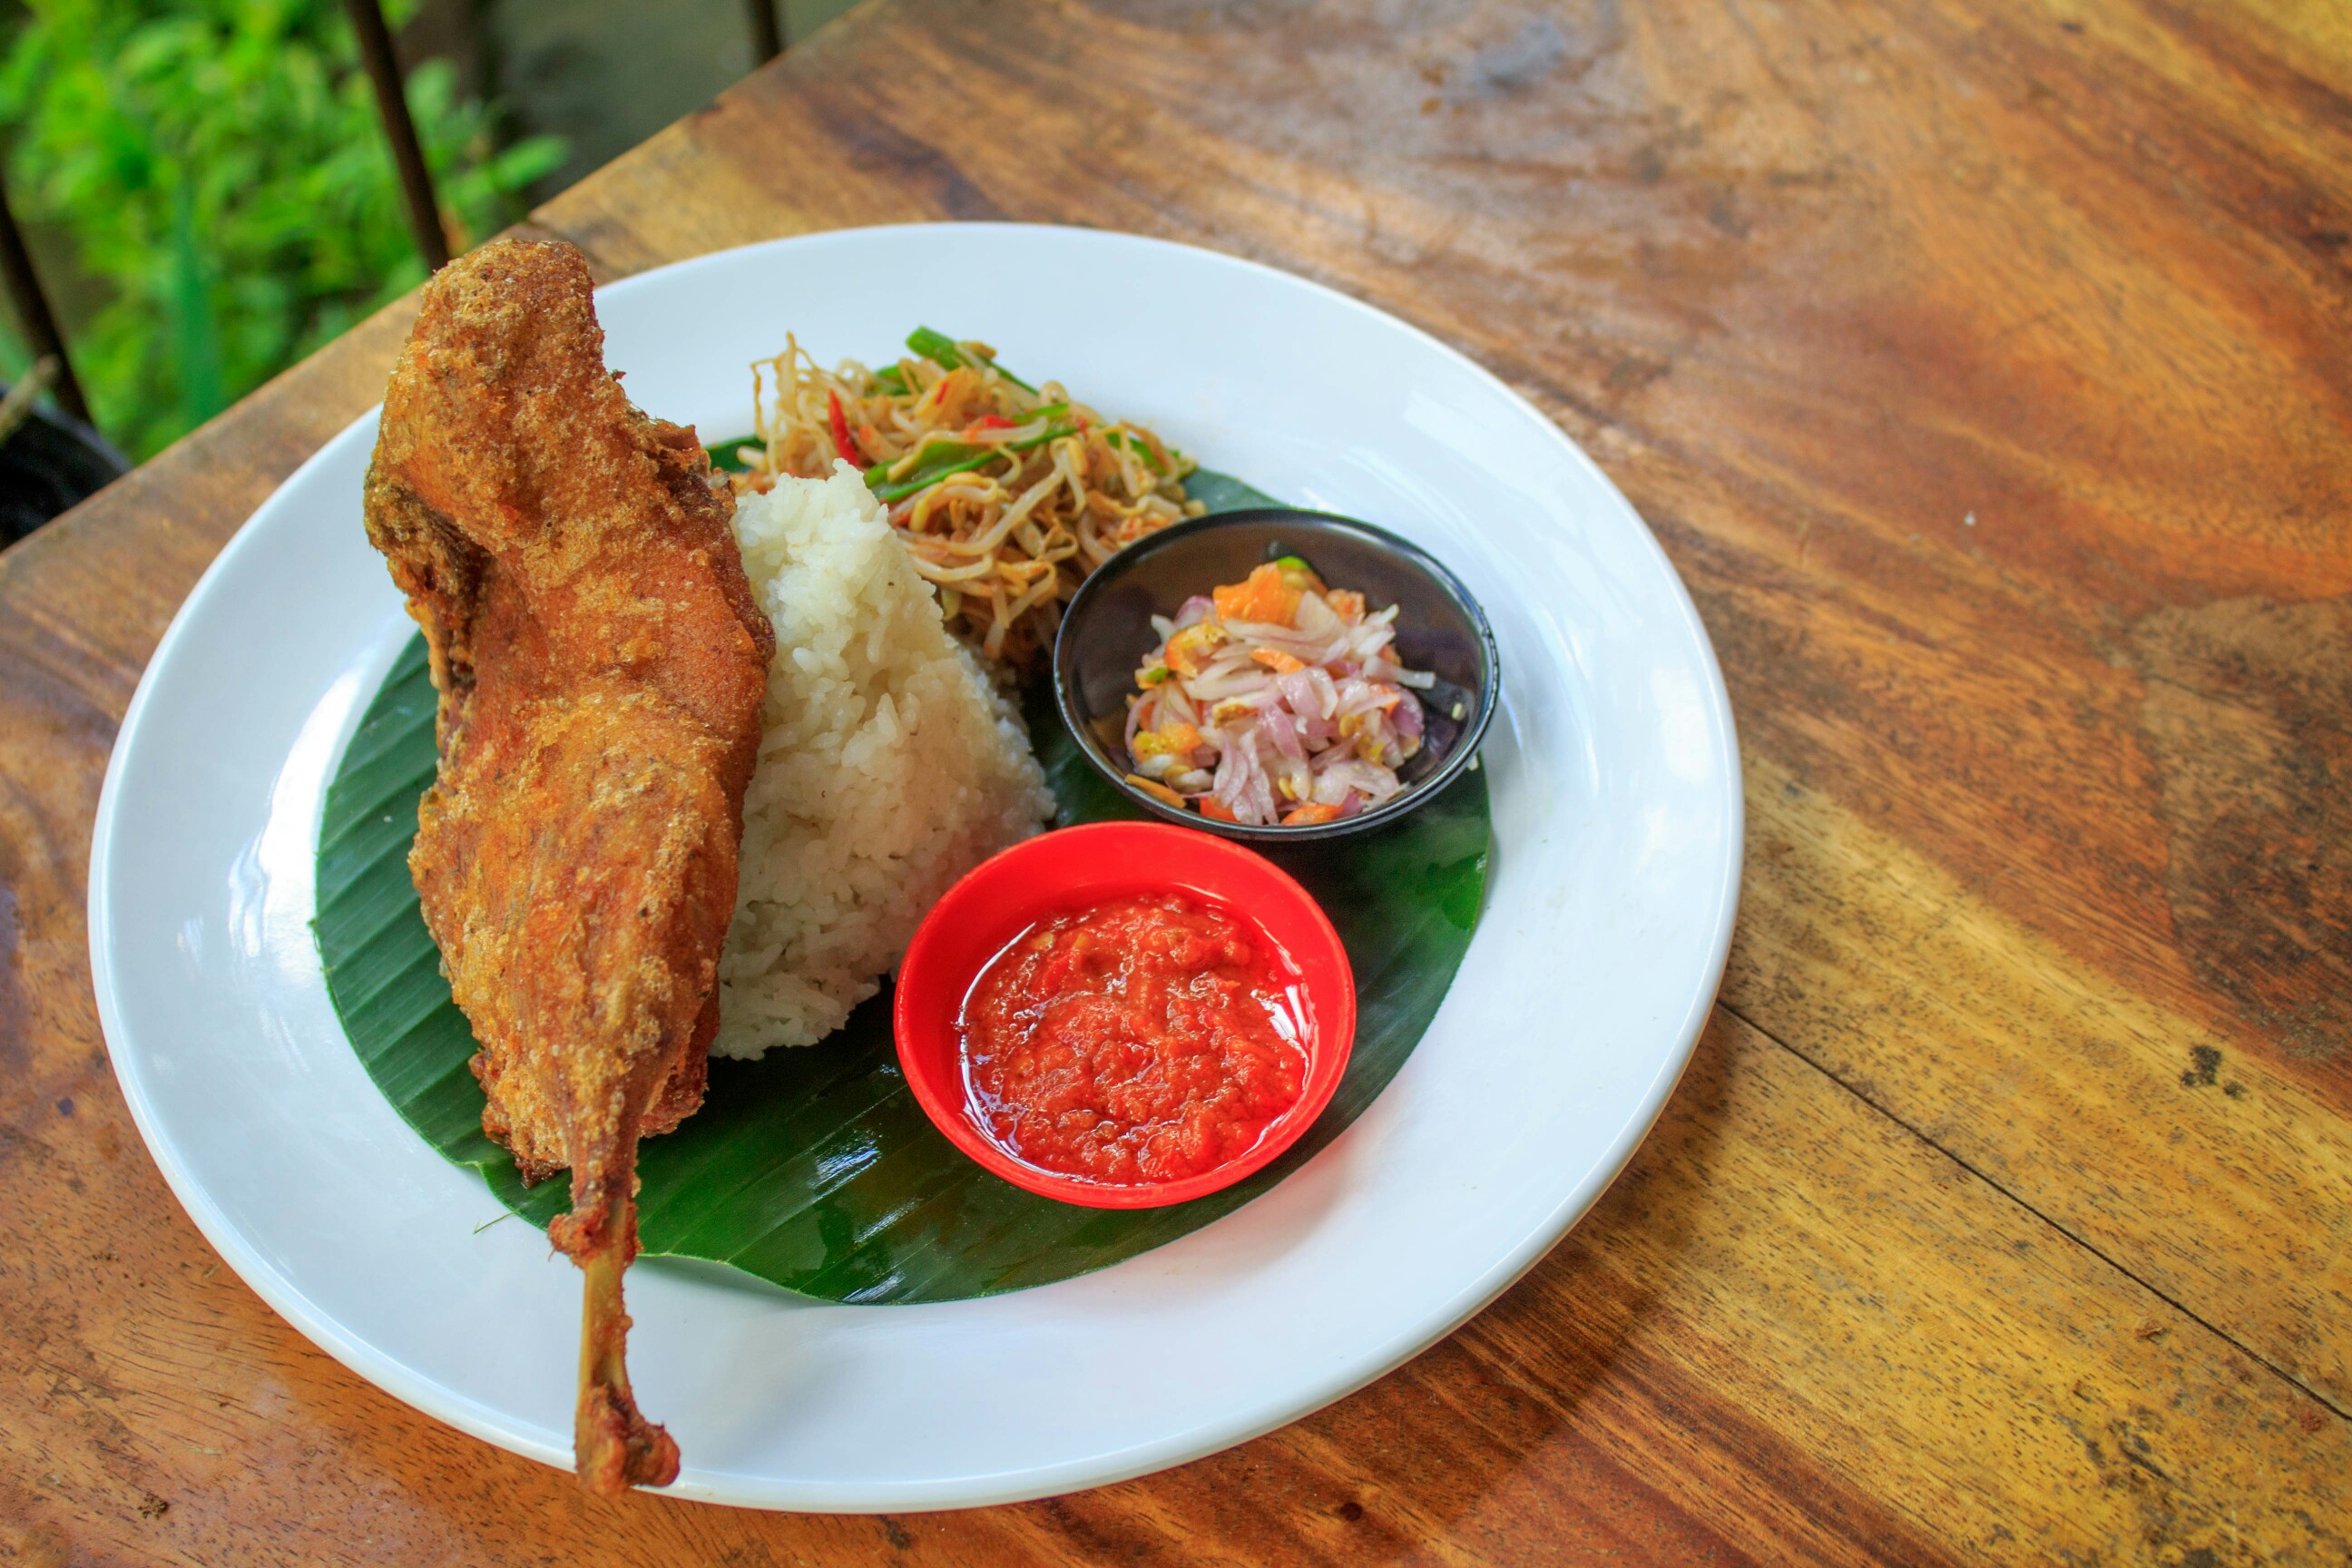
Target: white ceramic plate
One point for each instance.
(1616, 794)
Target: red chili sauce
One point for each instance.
(1146, 1039)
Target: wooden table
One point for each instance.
(1985, 368)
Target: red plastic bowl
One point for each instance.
(1070, 869)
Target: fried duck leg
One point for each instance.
(601, 661)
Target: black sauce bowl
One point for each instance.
(1107, 630)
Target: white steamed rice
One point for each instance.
(888, 766)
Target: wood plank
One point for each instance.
(2214, 1179)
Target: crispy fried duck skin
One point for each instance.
(600, 660)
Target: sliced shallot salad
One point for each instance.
(1273, 700)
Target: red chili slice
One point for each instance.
(841, 441)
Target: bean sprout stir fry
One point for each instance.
(1006, 495)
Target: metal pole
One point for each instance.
(767, 37)
(33, 310)
(407, 156)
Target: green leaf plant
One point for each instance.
(219, 172)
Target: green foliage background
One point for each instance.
(220, 171)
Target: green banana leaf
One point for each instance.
(814, 1168)
(1222, 492)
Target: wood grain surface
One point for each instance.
(1985, 367)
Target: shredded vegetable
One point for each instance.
(1006, 495)
(1276, 700)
